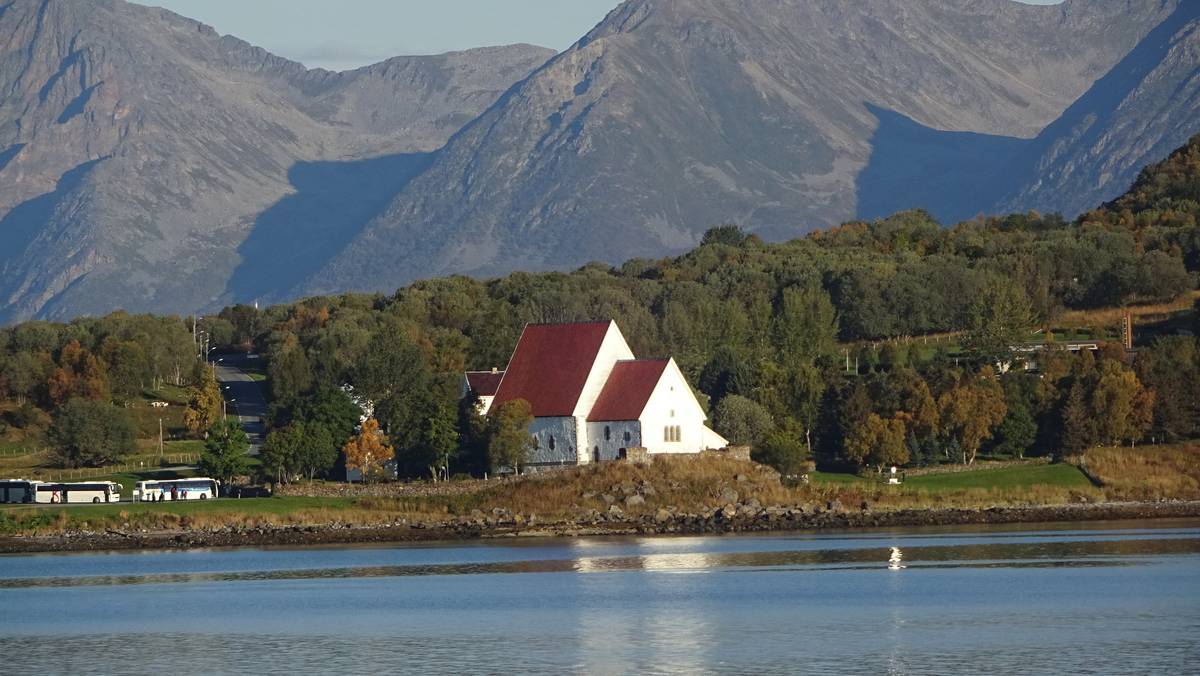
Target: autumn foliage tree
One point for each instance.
(972, 410)
(368, 451)
(204, 404)
(878, 442)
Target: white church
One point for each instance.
(592, 399)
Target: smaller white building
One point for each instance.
(484, 384)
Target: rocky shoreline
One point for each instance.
(503, 524)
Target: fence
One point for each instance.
(145, 465)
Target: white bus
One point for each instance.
(17, 491)
(197, 488)
(85, 491)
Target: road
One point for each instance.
(244, 398)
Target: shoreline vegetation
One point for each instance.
(668, 496)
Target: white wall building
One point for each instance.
(591, 398)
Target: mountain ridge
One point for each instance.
(141, 147)
(624, 146)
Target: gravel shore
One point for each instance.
(503, 524)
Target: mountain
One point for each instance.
(149, 164)
(140, 150)
(1146, 106)
(675, 115)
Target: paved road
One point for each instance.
(244, 398)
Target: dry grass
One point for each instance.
(1149, 473)
(1112, 316)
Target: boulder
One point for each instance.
(634, 500)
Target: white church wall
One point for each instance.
(612, 349)
(673, 406)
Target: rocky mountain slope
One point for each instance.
(139, 150)
(1145, 107)
(148, 163)
(675, 115)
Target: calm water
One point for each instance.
(1105, 598)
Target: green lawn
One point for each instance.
(1023, 476)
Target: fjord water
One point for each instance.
(1120, 597)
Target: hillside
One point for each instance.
(149, 164)
(671, 117)
(139, 150)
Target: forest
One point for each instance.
(859, 347)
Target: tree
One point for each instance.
(725, 373)
(1078, 426)
(316, 452)
(728, 235)
(22, 371)
(784, 448)
(806, 325)
(1171, 367)
(87, 433)
(280, 452)
(743, 421)
(972, 410)
(439, 438)
(1123, 409)
(1000, 317)
(368, 451)
(225, 448)
(878, 442)
(1017, 433)
(204, 404)
(129, 368)
(331, 409)
(289, 370)
(509, 442)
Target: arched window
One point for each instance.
(537, 443)
(596, 454)
(552, 442)
(628, 436)
(607, 433)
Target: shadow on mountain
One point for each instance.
(332, 202)
(21, 226)
(951, 174)
(956, 175)
(1083, 124)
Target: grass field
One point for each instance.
(1147, 473)
(1005, 478)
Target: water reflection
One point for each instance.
(987, 555)
(1018, 603)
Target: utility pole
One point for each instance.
(160, 438)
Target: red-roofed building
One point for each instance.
(591, 399)
(484, 384)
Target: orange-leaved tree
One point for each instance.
(368, 450)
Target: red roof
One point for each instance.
(628, 389)
(484, 383)
(550, 366)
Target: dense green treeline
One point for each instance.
(765, 332)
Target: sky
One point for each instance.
(344, 34)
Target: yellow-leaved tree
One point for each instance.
(204, 404)
(368, 450)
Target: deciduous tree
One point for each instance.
(368, 451)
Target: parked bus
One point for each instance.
(85, 491)
(17, 491)
(197, 488)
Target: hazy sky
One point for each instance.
(342, 34)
